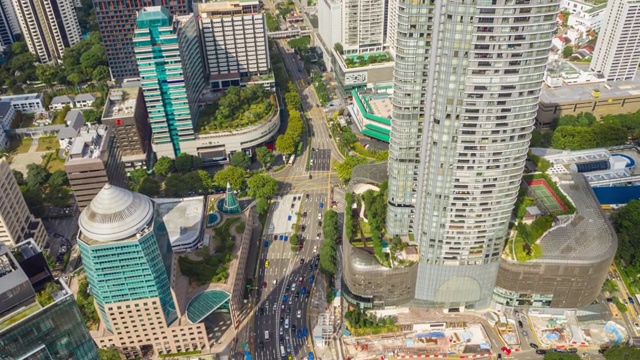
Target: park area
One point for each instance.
(547, 196)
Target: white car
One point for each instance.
(299, 313)
(293, 287)
(315, 248)
(320, 216)
(286, 324)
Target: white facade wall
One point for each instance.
(330, 24)
(28, 103)
(617, 52)
(363, 26)
(5, 121)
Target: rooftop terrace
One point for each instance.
(120, 103)
(89, 143)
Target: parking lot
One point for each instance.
(284, 210)
(320, 159)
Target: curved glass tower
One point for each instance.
(467, 80)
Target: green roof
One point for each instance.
(378, 129)
(205, 303)
(376, 135)
(366, 112)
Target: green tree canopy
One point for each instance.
(285, 144)
(58, 178)
(58, 196)
(344, 168)
(150, 187)
(619, 352)
(240, 159)
(34, 198)
(185, 163)
(174, 186)
(573, 138)
(164, 166)
(265, 156)
(37, 175)
(193, 182)
(560, 356)
(262, 205)
(232, 175)
(300, 44)
(261, 186)
(136, 177)
(109, 354)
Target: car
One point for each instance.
(281, 237)
(288, 217)
(300, 246)
(602, 351)
(524, 333)
(303, 228)
(636, 325)
(302, 261)
(266, 244)
(520, 324)
(533, 346)
(310, 355)
(307, 196)
(293, 205)
(284, 298)
(572, 350)
(271, 227)
(304, 214)
(281, 319)
(293, 327)
(315, 249)
(275, 237)
(281, 331)
(300, 280)
(286, 324)
(286, 238)
(625, 301)
(299, 313)
(305, 332)
(282, 308)
(310, 267)
(299, 334)
(281, 340)
(264, 284)
(499, 356)
(315, 266)
(293, 287)
(290, 301)
(321, 205)
(630, 299)
(303, 290)
(275, 282)
(541, 351)
(319, 223)
(506, 350)
(586, 354)
(319, 216)
(289, 357)
(313, 277)
(266, 263)
(261, 312)
(261, 345)
(287, 288)
(297, 295)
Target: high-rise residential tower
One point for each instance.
(128, 265)
(466, 85)
(17, 224)
(6, 33)
(62, 29)
(617, 52)
(172, 77)
(234, 39)
(117, 22)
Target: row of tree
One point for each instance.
(584, 131)
(237, 108)
(286, 143)
(375, 204)
(42, 187)
(328, 249)
(627, 222)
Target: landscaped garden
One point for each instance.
(238, 108)
(357, 61)
(213, 268)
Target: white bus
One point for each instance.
(266, 336)
(292, 158)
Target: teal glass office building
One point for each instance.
(171, 70)
(123, 259)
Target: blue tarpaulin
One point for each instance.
(433, 335)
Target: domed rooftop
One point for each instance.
(115, 214)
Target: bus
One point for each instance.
(291, 159)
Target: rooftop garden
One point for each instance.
(19, 315)
(356, 61)
(361, 323)
(86, 305)
(238, 108)
(213, 268)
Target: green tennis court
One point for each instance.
(545, 197)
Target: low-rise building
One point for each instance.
(39, 317)
(59, 102)
(93, 159)
(27, 103)
(363, 70)
(372, 113)
(125, 112)
(570, 90)
(84, 101)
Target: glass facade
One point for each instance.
(128, 270)
(163, 66)
(467, 81)
(55, 332)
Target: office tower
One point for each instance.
(135, 303)
(234, 38)
(93, 160)
(17, 224)
(6, 33)
(330, 23)
(117, 22)
(62, 30)
(172, 77)
(126, 113)
(617, 52)
(466, 85)
(363, 26)
(39, 318)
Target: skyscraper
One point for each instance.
(6, 33)
(62, 29)
(17, 224)
(172, 77)
(617, 52)
(117, 22)
(466, 86)
(39, 318)
(128, 266)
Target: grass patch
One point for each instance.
(525, 251)
(240, 227)
(20, 145)
(195, 352)
(365, 227)
(21, 314)
(52, 162)
(48, 143)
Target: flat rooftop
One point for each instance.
(183, 218)
(581, 92)
(381, 107)
(120, 102)
(89, 142)
(224, 6)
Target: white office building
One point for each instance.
(234, 39)
(62, 30)
(467, 80)
(617, 52)
(330, 23)
(358, 25)
(27, 103)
